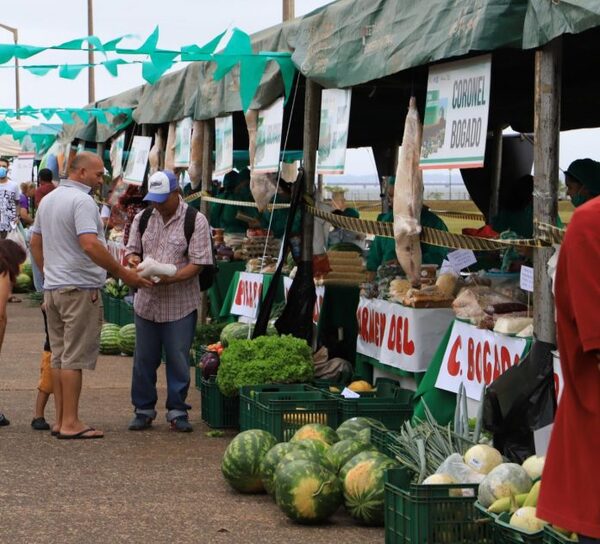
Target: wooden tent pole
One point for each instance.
(548, 76)
(312, 115)
(207, 173)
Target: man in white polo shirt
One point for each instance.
(68, 245)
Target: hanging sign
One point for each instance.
(461, 259)
(183, 143)
(116, 155)
(333, 132)
(22, 168)
(320, 291)
(268, 138)
(405, 338)
(248, 294)
(223, 145)
(137, 160)
(526, 278)
(476, 357)
(456, 114)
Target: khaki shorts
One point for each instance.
(74, 325)
(45, 383)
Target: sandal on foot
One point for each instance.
(81, 435)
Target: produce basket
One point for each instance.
(283, 413)
(380, 438)
(125, 312)
(112, 309)
(388, 404)
(248, 395)
(428, 514)
(504, 533)
(552, 536)
(483, 511)
(218, 411)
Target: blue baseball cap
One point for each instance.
(160, 186)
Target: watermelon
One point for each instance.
(239, 331)
(23, 283)
(241, 462)
(363, 483)
(307, 492)
(316, 431)
(315, 445)
(26, 269)
(304, 453)
(341, 452)
(109, 339)
(270, 461)
(127, 339)
(351, 427)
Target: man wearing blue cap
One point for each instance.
(166, 314)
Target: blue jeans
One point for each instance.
(586, 540)
(176, 338)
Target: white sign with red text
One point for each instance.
(320, 291)
(405, 338)
(476, 357)
(248, 295)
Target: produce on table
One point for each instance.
(316, 431)
(503, 481)
(360, 386)
(525, 520)
(209, 363)
(116, 289)
(307, 492)
(506, 503)
(216, 348)
(241, 331)
(439, 479)
(363, 482)
(458, 470)
(241, 462)
(269, 463)
(267, 359)
(341, 452)
(483, 458)
(534, 466)
(358, 427)
(109, 339)
(127, 339)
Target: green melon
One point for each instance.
(127, 339)
(241, 462)
(304, 453)
(270, 461)
(311, 444)
(363, 483)
(503, 481)
(353, 426)
(23, 283)
(316, 431)
(307, 492)
(341, 452)
(109, 339)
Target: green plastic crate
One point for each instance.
(504, 533)
(218, 411)
(248, 399)
(489, 516)
(283, 413)
(427, 514)
(125, 313)
(554, 537)
(112, 309)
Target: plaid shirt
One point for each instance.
(166, 243)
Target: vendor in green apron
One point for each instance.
(338, 237)
(383, 249)
(583, 181)
(236, 187)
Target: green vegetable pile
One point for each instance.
(208, 333)
(267, 359)
(116, 289)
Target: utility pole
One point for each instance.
(15, 34)
(288, 10)
(91, 74)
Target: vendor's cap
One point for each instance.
(160, 185)
(586, 172)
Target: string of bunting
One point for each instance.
(66, 114)
(549, 233)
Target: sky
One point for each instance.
(181, 22)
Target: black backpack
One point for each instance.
(206, 277)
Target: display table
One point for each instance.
(222, 283)
(469, 355)
(225, 312)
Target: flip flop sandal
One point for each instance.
(79, 436)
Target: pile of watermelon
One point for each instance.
(115, 340)
(314, 473)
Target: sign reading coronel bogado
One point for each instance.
(456, 114)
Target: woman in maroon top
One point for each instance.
(570, 492)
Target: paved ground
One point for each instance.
(149, 487)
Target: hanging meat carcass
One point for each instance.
(408, 197)
(195, 170)
(170, 148)
(157, 153)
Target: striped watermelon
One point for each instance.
(315, 445)
(127, 339)
(268, 465)
(341, 452)
(307, 492)
(304, 453)
(351, 427)
(316, 431)
(241, 462)
(109, 339)
(363, 482)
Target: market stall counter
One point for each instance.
(223, 280)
